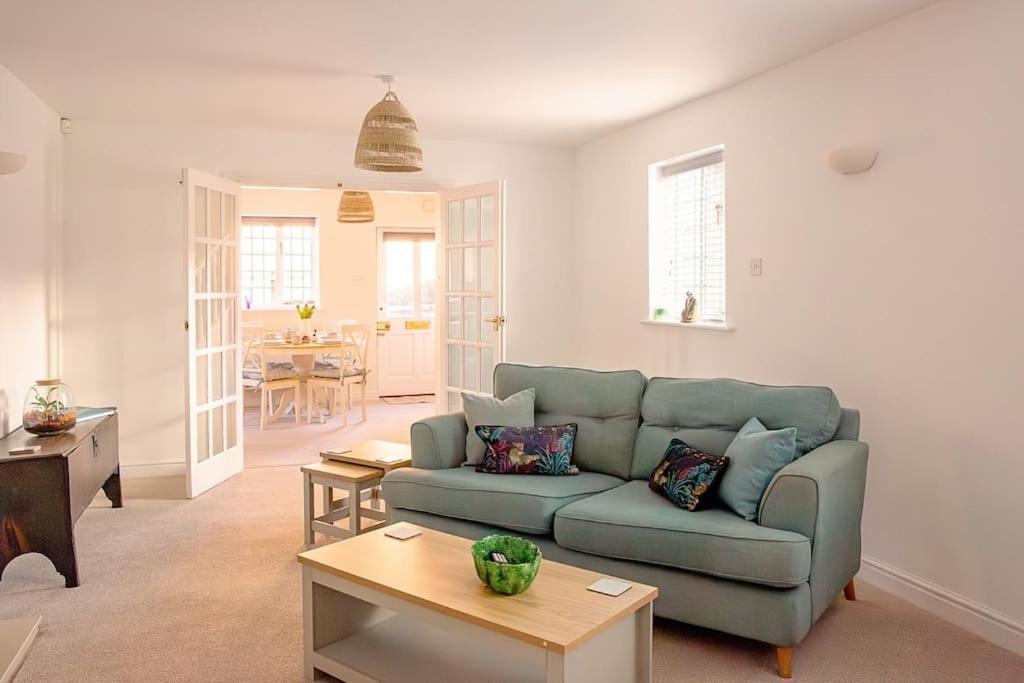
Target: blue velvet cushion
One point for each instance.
(755, 455)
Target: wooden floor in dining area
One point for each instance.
(285, 443)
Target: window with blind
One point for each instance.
(279, 261)
(687, 237)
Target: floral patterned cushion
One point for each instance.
(527, 450)
(687, 476)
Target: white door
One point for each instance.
(406, 296)
(471, 316)
(214, 332)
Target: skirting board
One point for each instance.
(170, 469)
(972, 616)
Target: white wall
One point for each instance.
(900, 288)
(124, 264)
(347, 253)
(29, 230)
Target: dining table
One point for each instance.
(303, 355)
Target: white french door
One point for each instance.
(213, 322)
(471, 316)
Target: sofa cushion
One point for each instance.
(523, 502)
(631, 522)
(688, 477)
(514, 411)
(604, 405)
(528, 450)
(707, 413)
(755, 455)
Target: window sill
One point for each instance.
(717, 327)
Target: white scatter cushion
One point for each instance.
(514, 411)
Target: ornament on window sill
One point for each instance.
(689, 309)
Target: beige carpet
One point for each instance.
(208, 590)
(285, 443)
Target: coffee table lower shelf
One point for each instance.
(401, 649)
(361, 635)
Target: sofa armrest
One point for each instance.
(439, 441)
(821, 496)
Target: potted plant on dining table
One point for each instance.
(306, 310)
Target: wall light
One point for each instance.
(851, 160)
(11, 162)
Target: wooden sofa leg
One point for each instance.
(850, 591)
(784, 655)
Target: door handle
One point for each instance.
(497, 321)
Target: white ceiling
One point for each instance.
(540, 71)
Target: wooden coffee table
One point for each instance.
(379, 609)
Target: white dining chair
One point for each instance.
(252, 372)
(332, 379)
(275, 376)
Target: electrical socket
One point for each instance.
(755, 266)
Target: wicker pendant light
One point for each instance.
(389, 140)
(355, 207)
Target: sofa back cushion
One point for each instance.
(707, 413)
(604, 405)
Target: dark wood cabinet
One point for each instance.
(43, 494)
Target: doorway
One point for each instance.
(426, 274)
(294, 250)
(406, 312)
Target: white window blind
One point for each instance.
(687, 236)
(278, 261)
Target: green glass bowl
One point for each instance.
(508, 579)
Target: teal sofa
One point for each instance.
(768, 579)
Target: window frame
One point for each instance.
(279, 304)
(656, 178)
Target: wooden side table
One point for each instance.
(355, 480)
(366, 453)
(42, 494)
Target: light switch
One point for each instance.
(755, 266)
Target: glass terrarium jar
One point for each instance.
(49, 408)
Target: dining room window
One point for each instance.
(279, 261)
